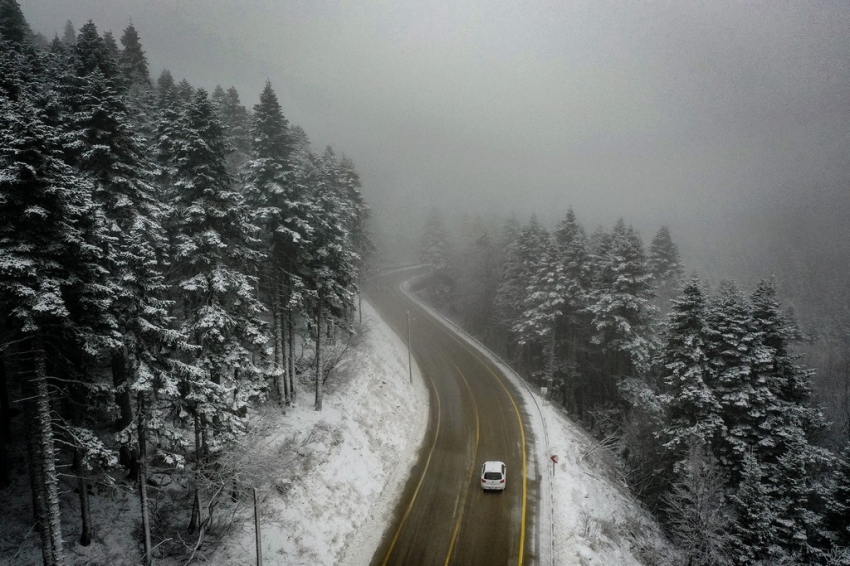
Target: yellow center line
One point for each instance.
(421, 478)
(471, 470)
(522, 436)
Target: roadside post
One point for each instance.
(554, 458)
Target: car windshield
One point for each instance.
(492, 476)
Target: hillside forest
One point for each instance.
(168, 259)
(699, 394)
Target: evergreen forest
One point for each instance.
(700, 395)
(166, 256)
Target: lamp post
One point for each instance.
(409, 365)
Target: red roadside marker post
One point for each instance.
(554, 458)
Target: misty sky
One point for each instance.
(712, 117)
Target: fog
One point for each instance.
(727, 121)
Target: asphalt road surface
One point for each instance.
(443, 516)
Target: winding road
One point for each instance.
(443, 516)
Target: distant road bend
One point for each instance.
(443, 516)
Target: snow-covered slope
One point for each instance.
(336, 499)
(344, 469)
(335, 505)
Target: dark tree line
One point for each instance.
(716, 424)
(162, 251)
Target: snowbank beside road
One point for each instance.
(352, 460)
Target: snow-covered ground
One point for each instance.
(343, 469)
(365, 440)
(355, 456)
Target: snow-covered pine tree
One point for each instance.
(837, 512)
(283, 211)
(784, 428)
(536, 327)
(237, 123)
(521, 258)
(13, 25)
(574, 326)
(730, 354)
(212, 245)
(49, 248)
(69, 35)
(109, 153)
(754, 537)
(477, 280)
(666, 268)
(91, 53)
(436, 250)
(332, 265)
(508, 294)
(664, 261)
(620, 303)
(688, 381)
(133, 62)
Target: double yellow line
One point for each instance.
(522, 437)
(456, 529)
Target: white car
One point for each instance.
(493, 475)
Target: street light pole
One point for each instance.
(409, 366)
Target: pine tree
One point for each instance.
(542, 309)
(687, 376)
(48, 248)
(111, 155)
(837, 515)
(282, 210)
(730, 352)
(619, 303)
(134, 63)
(664, 261)
(477, 280)
(754, 535)
(13, 26)
(211, 249)
(332, 264)
(91, 53)
(572, 252)
(69, 36)
(111, 45)
(237, 125)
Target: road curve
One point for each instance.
(443, 517)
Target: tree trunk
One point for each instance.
(5, 425)
(257, 532)
(5, 409)
(195, 520)
(4, 464)
(290, 335)
(142, 416)
(278, 342)
(318, 405)
(81, 469)
(34, 459)
(45, 479)
(122, 392)
(284, 362)
(281, 338)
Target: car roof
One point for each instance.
(493, 465)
